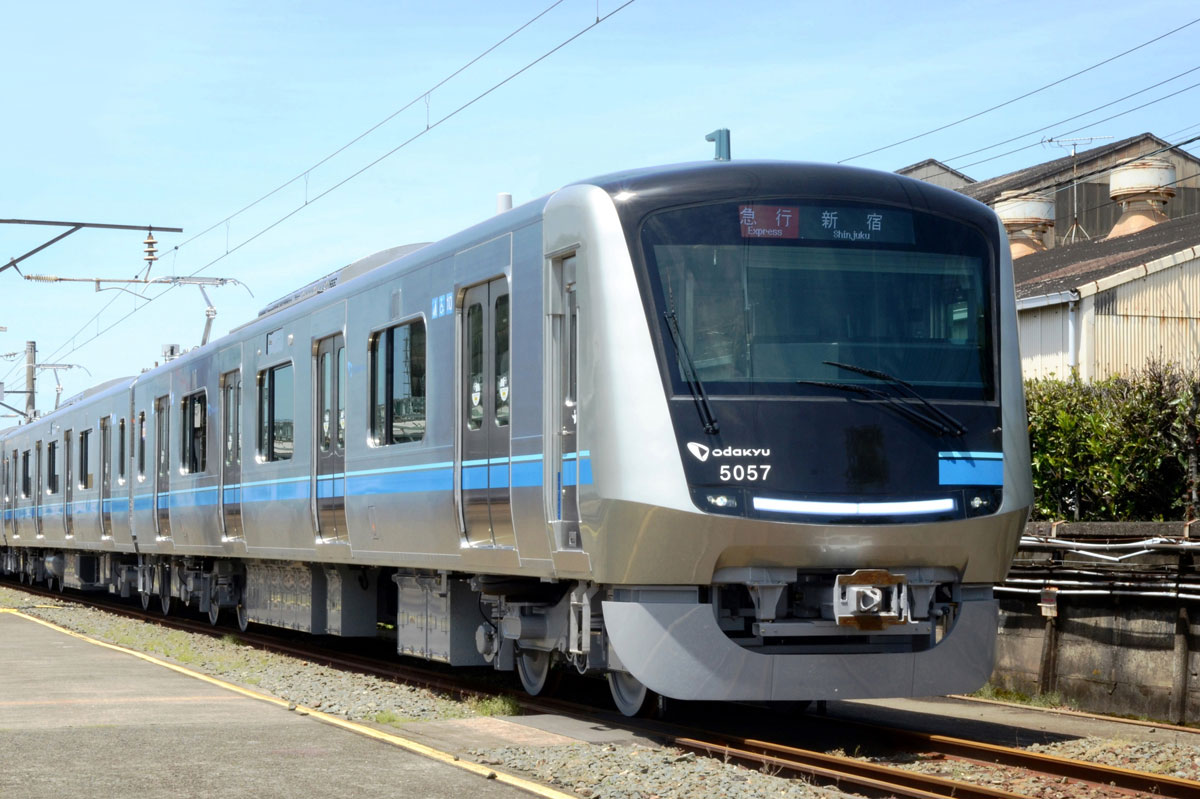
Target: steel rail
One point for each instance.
(1096, 773)
(849, 772)
(874, 778)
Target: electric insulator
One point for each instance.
(150, 248)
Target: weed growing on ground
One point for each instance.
(504, 705)
(999, 693)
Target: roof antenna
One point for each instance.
(1070, 234)
(720, 138)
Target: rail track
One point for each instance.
(1071, 778)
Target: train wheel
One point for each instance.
(146, 596)
(162, 580)
(214, 598)
(533, 667)
(629, 695)
(243, 618)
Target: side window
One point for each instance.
(162, 440)
(194, 433)
(398, 384)
(325, 375)
(341, 398)
(121, 451)
(276, 414)
(500, 326)
(475, 387)
(52, 467)
(141, 445)
(26, 482)
(85, 472)
(232, 388)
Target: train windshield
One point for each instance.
(769, 297)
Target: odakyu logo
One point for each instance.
(702, 452)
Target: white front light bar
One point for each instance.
(812, 508)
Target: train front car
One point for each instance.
(801, 404)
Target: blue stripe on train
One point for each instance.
(971, 468)
(521, 471)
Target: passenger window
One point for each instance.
(85, 473)
(276, 414)
(500, 325)
(233, 408)
(194, 429)
(141, 445)
(326, 377)
(121, 451)
(341, 398)
(26, 482)
(475, 360)
(162, 440)
(52, 467)
(398, 384)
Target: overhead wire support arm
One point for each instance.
(210, 311)
(74, 228)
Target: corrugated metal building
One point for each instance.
(1108, 307)
(1117, 286)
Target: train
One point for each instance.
(733, 431)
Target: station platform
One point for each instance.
(80, 720)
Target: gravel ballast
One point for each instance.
(608, 771)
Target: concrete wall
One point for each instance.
(1115, 655)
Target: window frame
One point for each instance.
(86, 477)
(140, 445)
(121, 452)
(266, 380)
(52, 481)
(381, 345)
(187, 433)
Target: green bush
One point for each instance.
(1121, 449)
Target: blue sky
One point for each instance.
(180, 114)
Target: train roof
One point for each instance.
(679, 184)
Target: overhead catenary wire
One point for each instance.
(1068, 119)
(305, 173)
(1084, 127)
(1038, 90)
(1063, 185)
(429, 128)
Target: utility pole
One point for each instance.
(30, 377)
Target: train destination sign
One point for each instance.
(826, 223)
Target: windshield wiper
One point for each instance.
(952, 425)
(901, 407)
(689, 374)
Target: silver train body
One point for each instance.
(642, 427)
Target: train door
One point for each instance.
(105, 508)
(68, 487)
(162, 467)
(231, 455)
(484, 427)
(568, 403)
(329, 433)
